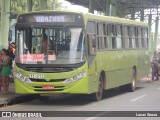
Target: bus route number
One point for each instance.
(36, 76)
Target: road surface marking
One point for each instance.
(91, 118)
(96, 116)
(137, 98)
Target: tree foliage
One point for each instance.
(19, 6)
(55, 4)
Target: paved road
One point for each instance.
(145, 98)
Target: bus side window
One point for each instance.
(91, 44)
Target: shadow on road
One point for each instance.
(76, 99)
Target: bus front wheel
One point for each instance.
(98, 95)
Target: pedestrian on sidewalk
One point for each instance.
(11, 49)
(6, 70)
(0, 70)
(154, 66)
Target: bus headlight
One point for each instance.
(75, 78)
(22, 78)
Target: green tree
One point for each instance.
(19, 6)
(55, 5)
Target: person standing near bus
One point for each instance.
(158, 59)
(6, 70)
(0, 70)
(154, 66)
(11, 49)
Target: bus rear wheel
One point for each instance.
(132, 86)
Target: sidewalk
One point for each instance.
(4, 98)
(145, 79)
(13, 98)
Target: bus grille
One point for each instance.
(43, 80)
(48, 70)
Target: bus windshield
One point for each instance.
(57, 45)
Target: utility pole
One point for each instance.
(5, 22)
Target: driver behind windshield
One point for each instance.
(46, 44)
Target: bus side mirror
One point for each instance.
(91, 44)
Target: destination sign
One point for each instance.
(50, 18)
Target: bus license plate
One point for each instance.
(47, 87)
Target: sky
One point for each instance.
(68, 6)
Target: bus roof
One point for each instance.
(49, 11)
(113, 19)
(90, 16)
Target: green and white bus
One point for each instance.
(85, 53)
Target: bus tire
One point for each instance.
(98, 95)
(132, 86)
